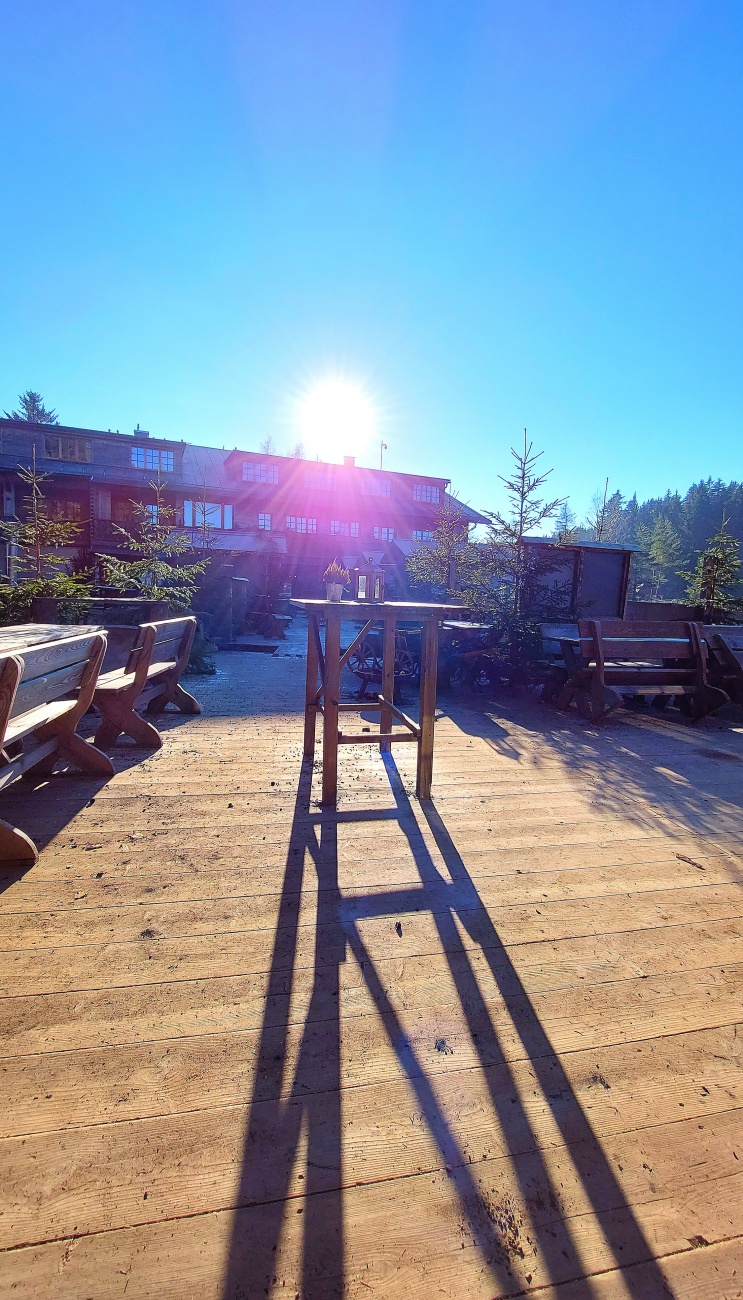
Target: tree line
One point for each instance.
(673, 532)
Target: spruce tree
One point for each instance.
(32, 410)
(155, 540)
(716, 576)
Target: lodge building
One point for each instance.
(275, 519)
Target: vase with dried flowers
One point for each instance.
(335, 577)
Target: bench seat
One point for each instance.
(118, 679)
(22, 726)
(120, 689)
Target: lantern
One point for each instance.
(368, 583)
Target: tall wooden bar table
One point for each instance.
(328, 661)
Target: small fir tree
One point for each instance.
(448, 563)
(36, 536)
(716, 575)
(154, 538)
(513, 570)
(32, 410)
(501, 579)
(39, 569)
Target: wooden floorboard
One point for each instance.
(487, 1048)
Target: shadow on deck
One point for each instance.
(304, 1127)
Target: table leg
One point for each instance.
(429, 664)
(388, 679)
(330, 709)
(310, 693)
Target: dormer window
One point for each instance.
(152, 458)
(377, 487)
(426, 492)
(321, 477)
(58, 447)
(260, 471)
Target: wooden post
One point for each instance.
(388, 679)
(310, 693)
(330, 707)
(429, 664)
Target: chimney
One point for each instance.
(349, 462)
(141, 433)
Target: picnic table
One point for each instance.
(22, 636)
(328, 660)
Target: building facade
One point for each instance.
(274, 519)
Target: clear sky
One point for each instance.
(488, 213)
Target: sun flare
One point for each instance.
(336, 416)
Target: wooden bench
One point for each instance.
(156, 661)
(725, 659)
(614, 658)
(43, 694)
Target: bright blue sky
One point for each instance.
(494, 213)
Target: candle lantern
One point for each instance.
(368, 583)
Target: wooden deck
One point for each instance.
(483, 1049)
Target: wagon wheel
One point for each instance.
(366, 659)
(405, 665)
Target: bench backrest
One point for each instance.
(140, 655)
(732, 635)
(616, 638)
(172, 640)
(725, 649)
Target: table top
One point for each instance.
(368, 609)
(24, 635)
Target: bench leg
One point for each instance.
(84, 756)
(174, 694)
(120, 718)
(15, 846)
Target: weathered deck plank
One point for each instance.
(252, 1050)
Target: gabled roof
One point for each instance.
(469, 515)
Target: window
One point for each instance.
(212, 513)
(57, 447)
(377, 487)
(264, 522)
(70, 511)
(354, 530)
(257, 471)
(152, 514)
(152, 458)
(338, 527)
(386, 534)
(122, 512)
(425, 492)
(320, 477)
(422, 535)
(299, 524)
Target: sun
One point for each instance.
(336, 416)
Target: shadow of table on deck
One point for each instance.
(309, 1111)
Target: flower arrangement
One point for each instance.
(335, 578)
(336, 574)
